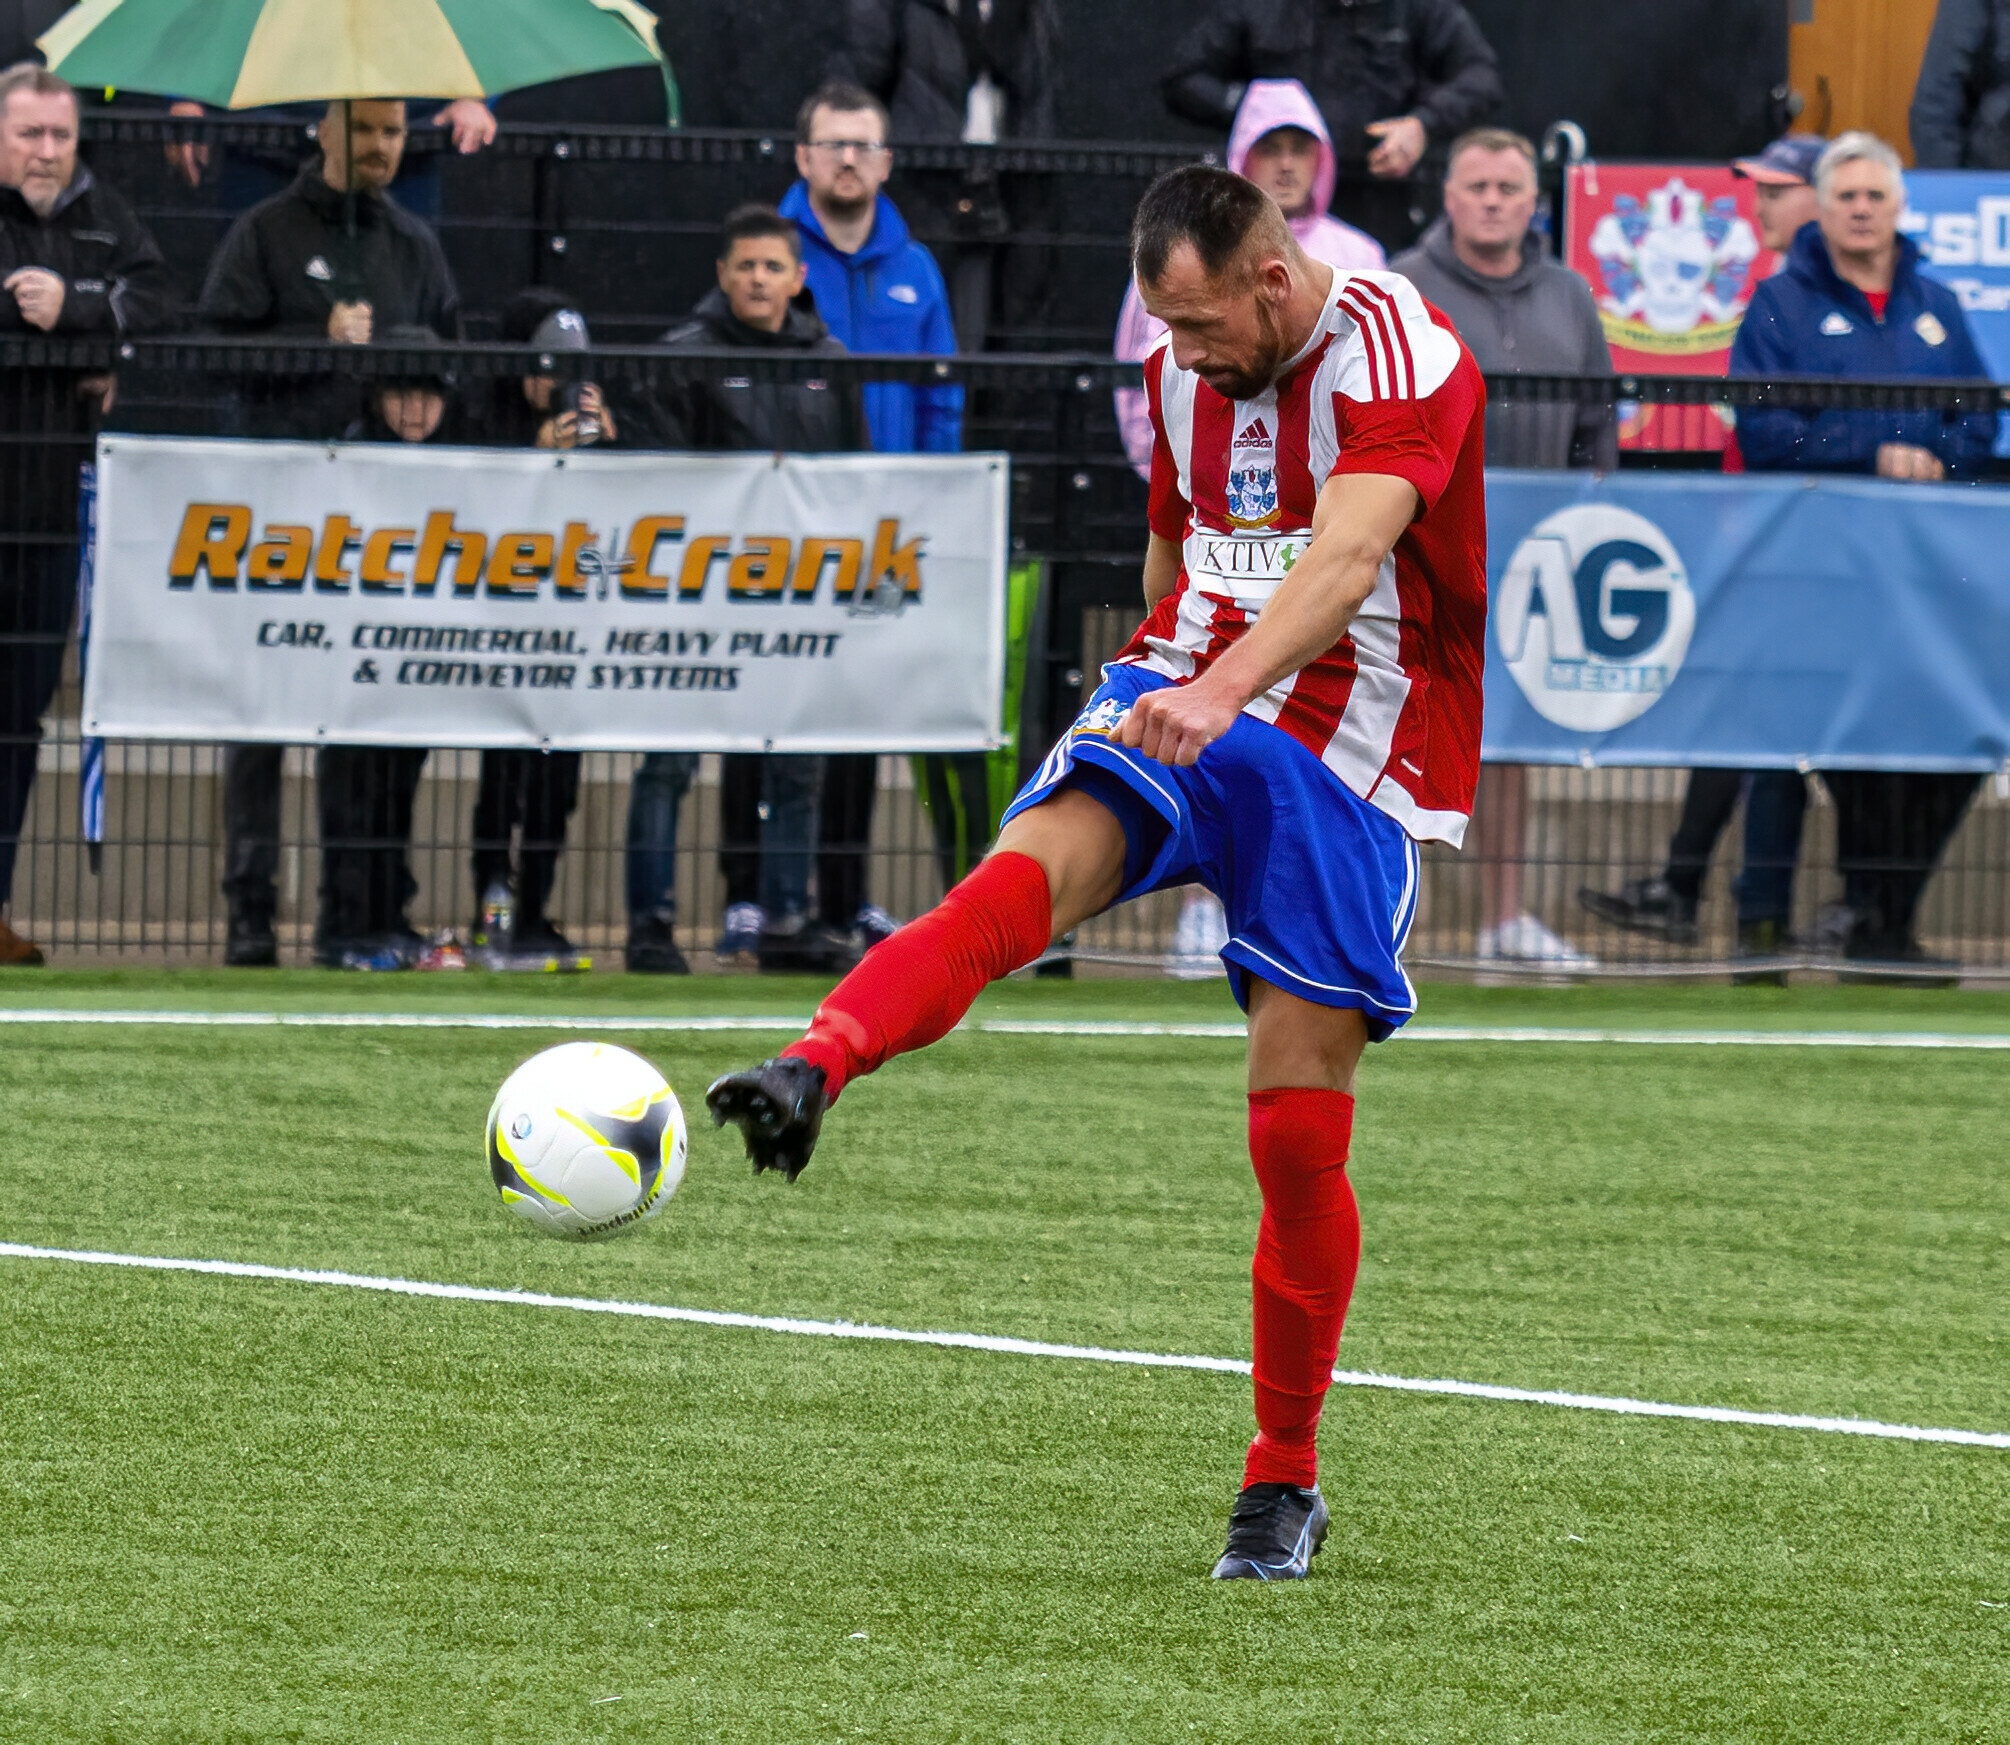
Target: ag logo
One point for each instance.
(1594, 616)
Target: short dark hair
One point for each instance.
(754, 219)
(1214, 210)
(845, 97)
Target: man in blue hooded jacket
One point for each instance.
(878, 290)
(1852, 301)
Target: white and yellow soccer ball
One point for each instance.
(586, 1140)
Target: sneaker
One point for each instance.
(250, 943)
(1650, 906)
(1524, 939)
(1274, 1532)
(1761, 939)
(740, 942)
(1873, 958)
(535, 933)
(796, 944)
(16, 952)
(872, 926)
(778, 1107)
(652, 949)
(1198, 938)
(360, 954)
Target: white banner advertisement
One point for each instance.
(376, 594)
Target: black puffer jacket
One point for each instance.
(1961, 103)
(1362, 60)
(728, 410)
(920, 58)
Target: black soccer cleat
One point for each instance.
(778, 1107)
(1274, 1532)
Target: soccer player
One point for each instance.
(1300, 708)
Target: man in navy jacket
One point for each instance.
(1852, 301)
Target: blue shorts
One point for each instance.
(1320, 887)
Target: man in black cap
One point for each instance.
(332, 258)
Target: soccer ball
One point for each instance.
(585, 1141)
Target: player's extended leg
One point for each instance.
(1302, 1060)
(1054, 866)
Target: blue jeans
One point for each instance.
(768, 829)
(655, 798)
(1775, 799)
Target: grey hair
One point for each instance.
(1858, 147)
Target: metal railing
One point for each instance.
(151, 890)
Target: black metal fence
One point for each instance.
(150, 889)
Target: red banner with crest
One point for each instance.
(1671, 252)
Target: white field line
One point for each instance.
(1082, 1027)
(404, 1287)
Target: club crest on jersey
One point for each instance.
(1252, 496)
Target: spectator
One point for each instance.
(1852, 301)
(74, 261)
(367, 792)
(1278, 142)
(1960, 114)
(767, 869)
(880, 292)
(252, 173)
(331, 258)
(981, 73)
(1664, 906)
(1390, 76)
(524, 799)
(1518, 309)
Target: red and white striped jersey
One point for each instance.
(1384, 385)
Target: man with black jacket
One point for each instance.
(1389, 76)
(766, 869)
(332, 258)
(1960, 116)
(74, 262)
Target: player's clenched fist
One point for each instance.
(1176, 724)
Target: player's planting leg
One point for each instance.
(1053, 867)
(1308, 1248)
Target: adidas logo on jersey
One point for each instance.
(1255, 435)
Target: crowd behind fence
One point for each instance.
(632, 213)
(151, 886)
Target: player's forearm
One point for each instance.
(1310, 611)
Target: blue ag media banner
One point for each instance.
(1753, 622)
(1961, 221)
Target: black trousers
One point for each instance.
(366, 795)
(38, 596)
(1891, 829)
(844, 835)
(526, 797)
(251, 778)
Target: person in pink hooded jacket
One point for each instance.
(1280, 143)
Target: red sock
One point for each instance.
(912, 989)
(1308, 1246)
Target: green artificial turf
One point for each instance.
(242, 1510)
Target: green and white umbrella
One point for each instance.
(244, 54)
